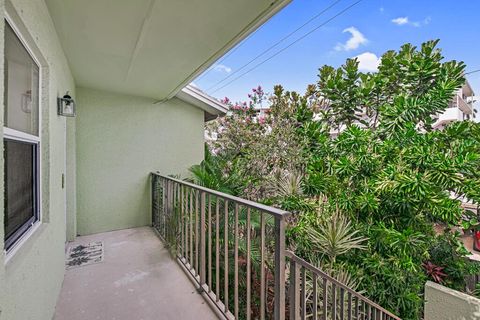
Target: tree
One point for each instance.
(388, 169)
(362, 144)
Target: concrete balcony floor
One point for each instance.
(138, 280)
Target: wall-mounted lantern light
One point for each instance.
(66, 106)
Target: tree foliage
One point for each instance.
(362, 144)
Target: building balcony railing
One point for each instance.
(464, 106)
(234, 251)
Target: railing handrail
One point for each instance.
(252, 204)
(316, 270)
(189, 207)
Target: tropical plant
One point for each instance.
(434, 272)
(210, 174)
(334, 236)
(365, 148)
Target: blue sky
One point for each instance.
(367, 30)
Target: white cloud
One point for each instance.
(222, 68)
(400, 20)
(356, 39)
(368, 62)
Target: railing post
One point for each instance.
(203, 245)
(167, 211)
(279, 311)
(153, 197)
(164, 209)
(294, 290)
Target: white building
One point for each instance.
(460, 108)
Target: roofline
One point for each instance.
(200, 99)
(263, 17)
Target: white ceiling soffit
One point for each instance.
(151, 48)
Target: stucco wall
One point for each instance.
(442, 303)
(31, 279)
(120, 140)
(71, 180)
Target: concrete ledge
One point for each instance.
(442, 303)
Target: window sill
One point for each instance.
(11, 252)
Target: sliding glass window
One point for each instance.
(21, 139)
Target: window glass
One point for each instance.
(21, 86)
(20, 186)
(21, 160)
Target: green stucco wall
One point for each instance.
(120, 140)
(31, 278)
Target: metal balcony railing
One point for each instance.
(234, 251)
(316, 295)
(464, 106)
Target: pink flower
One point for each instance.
(261, 120)
(225, 100)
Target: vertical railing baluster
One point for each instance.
(177, 218)
(170, 213)
(181, 224)
(191, 227)
(304, 294)
(209, 221)
(167, 214)
(356, 309)
(349, 295)
(197, 231)
(262, 266)
(225, 232)
(165, 209)
(294, 290)
(334, 301)
(153, 196)
(342, 304)
(249, 280)
(315, 295)
(325, 298)
(279, 302)
(203, 248)
(186, 221)
(217, 250)
(364, 310)
(235, 267)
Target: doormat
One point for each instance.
(84, 254)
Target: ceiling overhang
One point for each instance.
(151, 48)
(212, 107)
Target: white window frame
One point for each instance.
(17, 135)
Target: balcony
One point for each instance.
(464, 106)
(233, 252)
(449, 115)
(136, 280)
